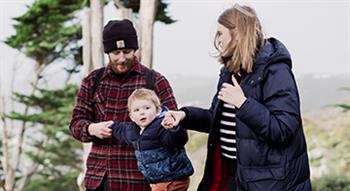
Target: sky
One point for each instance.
(316, 32)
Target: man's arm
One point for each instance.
(82, 115)
(164, 92)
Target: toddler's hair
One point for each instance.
(144, 94)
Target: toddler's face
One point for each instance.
(143, 112)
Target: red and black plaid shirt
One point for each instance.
(109, 102)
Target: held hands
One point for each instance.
(101, 129)
(232, 94)
(172, 119)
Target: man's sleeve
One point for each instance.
(164, 92)
(82, 115)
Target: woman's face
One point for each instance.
(223, 37)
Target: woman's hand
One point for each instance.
(232, 94)
(173, 118)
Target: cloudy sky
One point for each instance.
(315, 31)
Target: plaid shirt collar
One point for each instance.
(136, 69)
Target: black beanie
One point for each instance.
(119, 34)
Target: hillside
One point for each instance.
(316, 91)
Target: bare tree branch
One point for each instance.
(19, 147)
(8, 171)
(118, 4)
(26, 177)
(8, 168)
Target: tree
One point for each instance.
(147, 11)
(47, 32)
(55, 156)
(147, 18)
(92, 58)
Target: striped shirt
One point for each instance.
(228, 131)
(109, 102)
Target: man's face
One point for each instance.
(121, 60)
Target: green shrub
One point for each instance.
(331, 183)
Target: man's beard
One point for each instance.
(127, 64)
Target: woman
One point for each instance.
(256, 139)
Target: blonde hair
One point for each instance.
(144, 94)
(245, 30)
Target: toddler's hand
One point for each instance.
(168, 121)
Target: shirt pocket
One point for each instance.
(99, 105)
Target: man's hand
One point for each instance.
(101, 129)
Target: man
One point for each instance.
(111, 164)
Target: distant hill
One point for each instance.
(316, 92)
(322, 91)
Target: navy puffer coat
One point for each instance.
(271, 147)
(160, 152)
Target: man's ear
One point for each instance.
(137, 54)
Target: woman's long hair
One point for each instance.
(246, 38)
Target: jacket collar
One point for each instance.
(225, 74)
(261, 61)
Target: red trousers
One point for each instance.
(178, 185)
